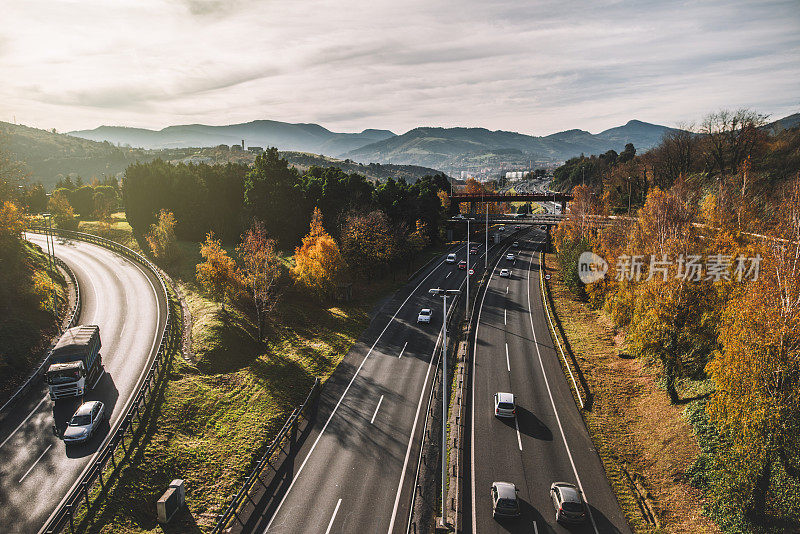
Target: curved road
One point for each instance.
(125, 300)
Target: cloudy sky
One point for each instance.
(533, 66)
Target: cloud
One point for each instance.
(513, 65)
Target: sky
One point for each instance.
(532, 66)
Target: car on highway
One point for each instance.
(518, 227)
(504, 500)
(501, 229)
(568, 501)
(504, 405)
(459, 216)
(473, 250)
(462, 264)
(516, 244)
(85, 422)
(451, 258)
(424, 315)
(510, 256)
(505, 273)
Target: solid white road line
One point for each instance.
(335, 510)
(550, 394)
(402, 350)
(24, 421)
(378, 407)
(34, 463)
(448, 274)
(535, 528)
(519, 438)
(505, 316)
(508, 362)
(346, 389)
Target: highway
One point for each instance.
(125, 300)
(356, 468)
(547, 441)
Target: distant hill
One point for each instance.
(784, 124)
(445, 148)
(49, 156)
(283, 135)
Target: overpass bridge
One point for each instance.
(563, 198)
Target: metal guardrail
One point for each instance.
(79, 494)
(306, 410)
(34, 378)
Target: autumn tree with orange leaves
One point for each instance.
(318, 262)
(218, 272)
(756, 405)
(260, 271)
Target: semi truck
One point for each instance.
(75, 363)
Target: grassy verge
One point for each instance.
(219, 411)
(27, 320)
(646, 444)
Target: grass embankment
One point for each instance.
(220, 410)
(647, 445)
(27, 320)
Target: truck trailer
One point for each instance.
(75, 363)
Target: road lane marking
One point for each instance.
(508, 362)
(519, 438)
(448, 274)
(506, 290)
(472, 400)
(402, 350)
(378, 407)
(24, 421)
(335, 510)
(550, 394)
(335, 408)
(34, 463)
(505, 316)
(535, 528)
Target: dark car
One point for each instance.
(569, 503)
(462, 264)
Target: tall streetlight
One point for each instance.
(439, 292)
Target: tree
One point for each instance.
(60, 208)
(368, 242)
(756, 372)
(218, 272)
(82, 200)
(318, 262)
(260, 270)
(273, 193)
(161, 237)
(731, 137)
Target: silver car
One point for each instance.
(510, 256)
(504, 405)
(568, 501)
(85, 422)
(504, 500)
(424, 315)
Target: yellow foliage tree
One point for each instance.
(63, 214)
(218, 272)
(161, 237)
(318, 262)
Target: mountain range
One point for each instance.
(446, 149)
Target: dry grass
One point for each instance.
(632, 423)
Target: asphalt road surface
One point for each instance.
(547, 441)
(356, 469)
(36, 469)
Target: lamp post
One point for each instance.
(466, 306)
(51, 250)
(439, 292)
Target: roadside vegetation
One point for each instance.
(32, 291)
(703, 288)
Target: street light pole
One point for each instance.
(466, 306)
(443, 293)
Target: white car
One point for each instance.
(451, 258)
(501, 229)
(85, 422)
(516, 244)
(510, 256)
(504, 405)
(424, 316)
(505, 273)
